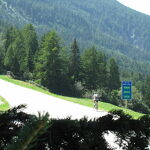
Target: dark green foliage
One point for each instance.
(27, 137)
(10, 36)
(16, 58)
(139, 106)
(3, 24)
(75, 66)
(146, 91)
(67, 134)
(113, 98)
(103, 23)
(120, 31)
(114, 76)
(2, 53)
(53, 68)
(11, 122)
(50, 69)
(20, 49)
(31, 44)
(134, 132)
(72, 134)
(93, 69)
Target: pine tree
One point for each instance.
(10, 36)
(31, 44)
(16, 56)
(2, 53)
(8, 126)
(49, 66)
(102, 71)
(74, 68)
(94, 69)
(114, 76)
(28, 135)
(146, 91)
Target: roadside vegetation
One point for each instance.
(42, 133)
(82, 101)
(4, 105)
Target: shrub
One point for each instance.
(28, 132)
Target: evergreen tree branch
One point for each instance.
(29, 133)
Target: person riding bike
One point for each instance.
(95, 101)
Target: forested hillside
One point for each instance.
(65, 71)
(105, 23)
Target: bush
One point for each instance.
(114, 98)
(27, 76)
(67, 134)
(139, 106)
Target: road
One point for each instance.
(39, 102)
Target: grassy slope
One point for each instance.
(82, 101)
(5, 105)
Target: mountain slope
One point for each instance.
(105, 23)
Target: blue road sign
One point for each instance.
(126, 90)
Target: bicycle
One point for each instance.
(96, 105)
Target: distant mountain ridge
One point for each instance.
(104, 23)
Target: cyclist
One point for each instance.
(95, 101)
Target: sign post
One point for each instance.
(126, 91)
